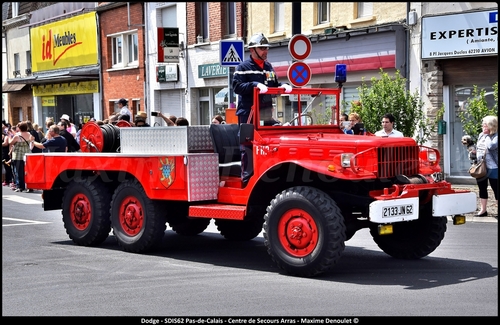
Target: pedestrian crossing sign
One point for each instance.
(231, 52)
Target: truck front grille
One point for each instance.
(394, 161)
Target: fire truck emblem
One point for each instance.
(167, 170)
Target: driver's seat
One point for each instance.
(225, 138)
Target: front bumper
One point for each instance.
(401, 202)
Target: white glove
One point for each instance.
(287, 87)
(262, 87)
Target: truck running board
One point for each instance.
(218, 211)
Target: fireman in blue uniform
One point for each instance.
(251, 73)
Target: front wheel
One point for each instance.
(137, 224)
(304, 231)
(413, 239)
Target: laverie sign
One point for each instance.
(212, 70)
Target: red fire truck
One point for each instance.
(312, 187)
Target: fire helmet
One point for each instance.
(258, 40)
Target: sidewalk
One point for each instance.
(492, 207)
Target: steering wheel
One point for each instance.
(308, 120)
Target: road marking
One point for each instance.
(20, 199)
(24, 222)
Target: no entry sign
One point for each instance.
(299, 74)
(299, 47)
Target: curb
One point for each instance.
(477, 219)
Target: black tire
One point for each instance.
(85, 212)
(137, 223)
(298, 213)
(190, 227)
(178, 220)
(240, 229)
(413, 239)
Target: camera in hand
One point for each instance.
(359, 128)
(154, 113)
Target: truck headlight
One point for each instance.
(345, 159)
(431, 156)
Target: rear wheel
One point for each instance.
(304, 231)
(137, 225)
(413, 239)
(190, 227)
(179, 221)
(240, 229)
(85, 212)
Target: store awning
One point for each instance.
(9, 88)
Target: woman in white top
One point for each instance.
(487, 149)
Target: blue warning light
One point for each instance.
(340, 73)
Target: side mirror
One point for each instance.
(246, 133)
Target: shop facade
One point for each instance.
(65, 66)
(459, 51)
(167, 61)
(17, 98)
(364, 52)
(211, 87)
(76, 99)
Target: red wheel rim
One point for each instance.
(298, 232)
(91, 138)
(123, 124)
(80, 211)
(131, 216)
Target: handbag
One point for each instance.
(30, 144)
(478, 170)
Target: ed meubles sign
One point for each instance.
(469, 34)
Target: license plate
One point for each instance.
(388, 211)
(397, 210)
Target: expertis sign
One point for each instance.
(67, 43)
(469, 34)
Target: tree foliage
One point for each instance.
(475, 109)
(389, 95)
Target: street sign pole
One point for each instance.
(230, 96)
(300, 47)
(299, 73)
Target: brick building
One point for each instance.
(121, 40)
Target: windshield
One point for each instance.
(301, 107)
